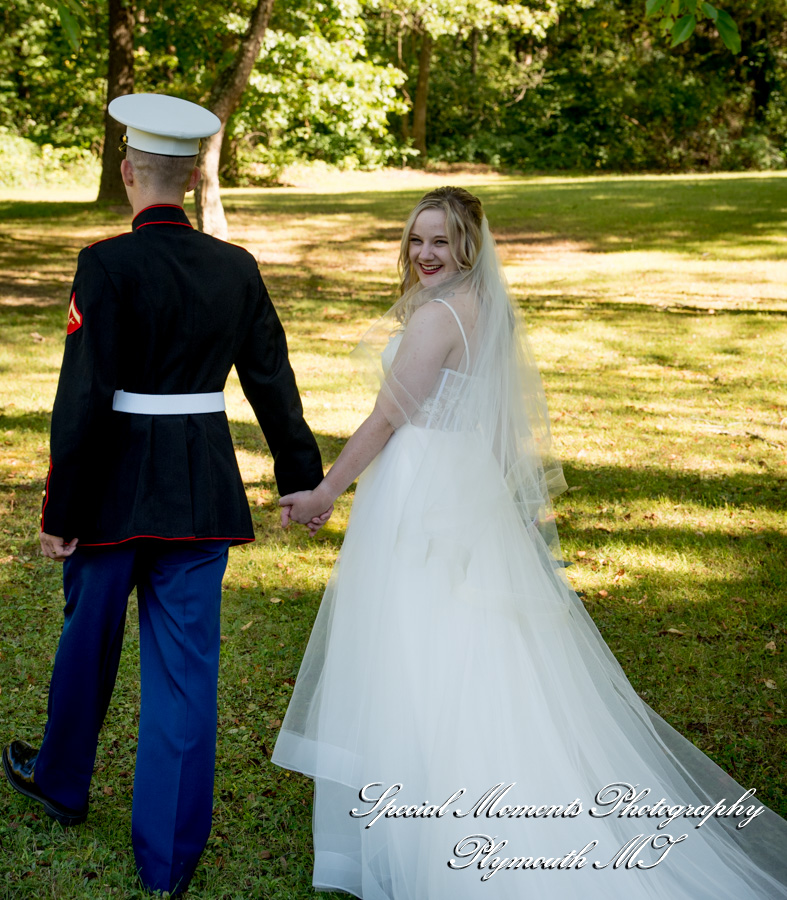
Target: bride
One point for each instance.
(468, 731)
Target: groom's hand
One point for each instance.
(301, 507)
(55, 547)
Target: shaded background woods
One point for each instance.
(551, 85)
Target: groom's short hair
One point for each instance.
(161, 173)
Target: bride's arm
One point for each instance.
(426, 344)
(369, 439)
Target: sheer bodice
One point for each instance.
(441, 409)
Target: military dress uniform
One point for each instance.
(143, 473)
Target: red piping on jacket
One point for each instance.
(184, 224)
(46, 498)
(156, 537)
(112, 238)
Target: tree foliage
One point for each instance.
(315, 93)
(680, 17)
(569, 84)
(411, 32)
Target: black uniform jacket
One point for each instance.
(166, 309)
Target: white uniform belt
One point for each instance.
(168, 404)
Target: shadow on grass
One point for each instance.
(37, 422)
(606, 214)
(625, 484)
(611, 309)
(78, 212)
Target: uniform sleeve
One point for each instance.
(84, 395)
(268, 382)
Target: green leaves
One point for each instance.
(70, 13)
(680, 17)
(683, 29)
(710, 11)
(728, 31)
(70, 25)
(654, 6)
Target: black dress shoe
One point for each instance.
(19, 760)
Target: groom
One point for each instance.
(144, 489)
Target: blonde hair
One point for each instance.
(463, 217)
(161, 173)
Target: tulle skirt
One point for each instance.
(470, 734)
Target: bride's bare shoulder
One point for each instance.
(463, 303)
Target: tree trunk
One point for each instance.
(474, 52)
(223, 99)
(228, 159)
(120, 80)
(421, 91)
(408, 100)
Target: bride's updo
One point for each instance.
(463, 217)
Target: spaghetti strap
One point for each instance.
(459, 323)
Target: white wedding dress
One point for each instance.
(449, 655)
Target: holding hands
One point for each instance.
(307, 508)
(313, 508)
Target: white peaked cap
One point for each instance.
(157, 123)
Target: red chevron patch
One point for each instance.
(74, 316)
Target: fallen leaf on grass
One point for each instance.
(275, 599)
(37, 338)
(107, 790)
(671, 631)
(769, 683)
(247, 625)
(265, 854)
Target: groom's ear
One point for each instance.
(194, 179)
(127, 173)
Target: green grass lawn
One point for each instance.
(658, 311)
